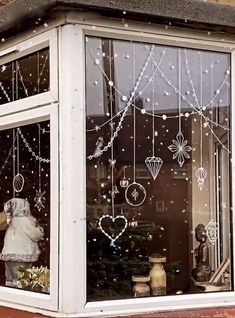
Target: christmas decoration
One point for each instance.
(129, 102)
(18, 79)
(114, 190)
(212, 232)
(201, 172)
(18, 180)
(36, 278)
(124, 182)
(135, 194)
(40, 196)
(153, 163)
(197, 109)
(179, 146)
(113, 237)
(201, 176)
(99, 145)
(37, 157)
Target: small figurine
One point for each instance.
(202, 272)
(20, 243)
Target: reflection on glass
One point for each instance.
(25, 77)
(25, 206)
(158, 170)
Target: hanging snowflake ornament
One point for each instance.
(154, 165)
(211, 231)
(180, 149)
(201, 175)
(40, 200)
(135, 194)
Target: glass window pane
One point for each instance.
(25, 207)
(25, 77)
(158, 170)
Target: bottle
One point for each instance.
(157, 275)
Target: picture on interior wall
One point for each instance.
(160, 206)
(157, 145)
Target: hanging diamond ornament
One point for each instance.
(201, 175)
(40, 200)
(154, 165)
(211, 231)
(180, 148)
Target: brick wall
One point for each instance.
(3, 2)
(230, 2)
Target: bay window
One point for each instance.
(117, 146)
(158, 149)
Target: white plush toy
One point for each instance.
(20, 242)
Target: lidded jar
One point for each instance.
(141, 288)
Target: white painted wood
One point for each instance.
(97, 25)
(232, 142)
(72, 171)
(46, 39)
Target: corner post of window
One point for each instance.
(72, 170)
(233, 147)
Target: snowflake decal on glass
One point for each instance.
(180, 148)
(40, 199)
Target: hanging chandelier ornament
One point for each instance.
(201, 175)
(40, 196)
(18, 179)
(212, 232)
(201, 172)
(180, 146)
(124, 181)
(153, 163)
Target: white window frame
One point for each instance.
(23, 48)
(73, 152)
(20, 296)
